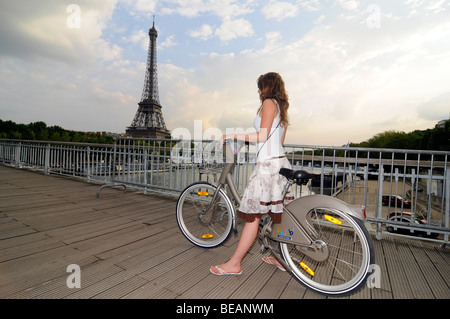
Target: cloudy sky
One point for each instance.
(352, 68)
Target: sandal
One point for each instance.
(270, 261)
(221, 272)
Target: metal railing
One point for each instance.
(405, 192)
(89, 161)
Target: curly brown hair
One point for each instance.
(271, 86)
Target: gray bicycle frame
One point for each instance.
(225, 179)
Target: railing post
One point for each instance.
(380, 200)
(429, 193)
(447, 202)
(88, 172)
(47, 160)
(366, 183)
(145, 154)
(414, 186)
(17, 151)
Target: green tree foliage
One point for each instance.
(435, 139)
(40, 131)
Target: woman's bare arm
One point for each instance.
(268, 113)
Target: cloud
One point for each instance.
(203, 33)
(113, 97)
(320, 19)
(146, 6)
(279, 10)
(227, 11)
(47, 31)
(89, 99)
(231, 29)
(168, 42)
(310, 5)
(346, 81)
(73, 76)
(437, 108)
(193, 8)
(349, 4)
(138, 37)
(228, 30)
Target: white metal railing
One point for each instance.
(404, 191)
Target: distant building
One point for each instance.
(441, 123)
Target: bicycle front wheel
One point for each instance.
(204, 223)
(348, 254)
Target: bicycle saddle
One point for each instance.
(300, 177)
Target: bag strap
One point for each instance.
(257, 154)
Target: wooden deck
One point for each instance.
(128, 246)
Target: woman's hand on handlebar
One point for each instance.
(226, 137)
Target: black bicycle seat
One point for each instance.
(300, 177)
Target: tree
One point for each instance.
(437, 139)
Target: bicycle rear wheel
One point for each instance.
(204, 230)
(349, 248)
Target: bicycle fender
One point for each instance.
(306, 203)
(293, 221)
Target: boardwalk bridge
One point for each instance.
(127, 244)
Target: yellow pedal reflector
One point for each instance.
(203, 193)
(332, 219)
(206, 236)
(307, 269)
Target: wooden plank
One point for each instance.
(430, 274)
(256, 281)
(171, 274)
(92, 271)
(275, 286)
(36, 246)
(16, 242)
(144, 247)
(155, 265)
(385, 290)
(441, 259)
(121, 289)
(16, 229)
(50, 266)
(293, 290)
(123, 235)
(414, 275)
(227, 288)
(103, 285)
(395, 271)
(59, 219)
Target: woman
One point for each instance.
(263, 194)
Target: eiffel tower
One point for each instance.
(149, 121)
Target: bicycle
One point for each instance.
(321, 240)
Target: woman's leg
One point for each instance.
(247, 239)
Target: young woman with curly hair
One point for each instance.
(263, 194)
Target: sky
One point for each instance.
(352, 68)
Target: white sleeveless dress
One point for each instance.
(265, 186)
